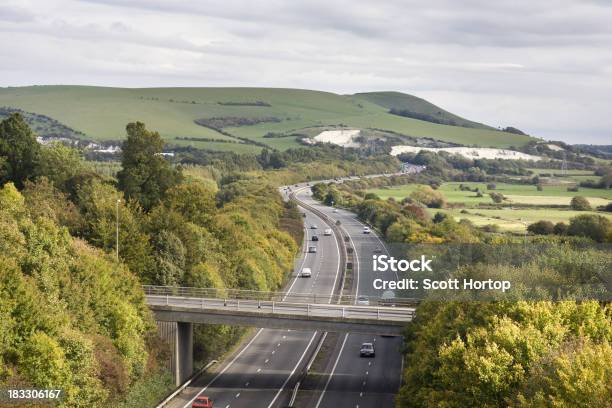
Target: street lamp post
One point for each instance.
(117, 227)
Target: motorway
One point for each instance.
(262, 372)
(258, 375)
(354, 381)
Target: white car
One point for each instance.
(366, 230)
(363, 301)
(312, 249)
(313, 226)
(306, 273)
(335, 210)
(327, 232)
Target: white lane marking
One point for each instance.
(238, 395)
(247, 384)
(381, 243)
(295, 278)
(259, 370)
(293, 371)
(346, 335)
(266, 362)
(332, 372)
(224, 369)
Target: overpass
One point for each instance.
(273, 310)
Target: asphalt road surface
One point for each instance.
(355, 381)
(261, 373)
(258, 375)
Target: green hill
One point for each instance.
(418, 108)
(249, 114)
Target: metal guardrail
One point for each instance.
(305, 298)
(286, 308)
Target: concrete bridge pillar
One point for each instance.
(183, 352)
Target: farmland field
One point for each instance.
(507, 217)
(102, 113)
(515, 219)
(518, 193)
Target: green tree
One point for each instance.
(98, 203)
(497, 197)
(145, 175)
(580, 203)
(542, 227)
(577, 375)
(169, 259)
(429, 197)
(19, 151)
(595, 227)
(59, 163)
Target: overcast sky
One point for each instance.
(544, 66)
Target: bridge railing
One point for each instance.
(286, 308)
(306, 298)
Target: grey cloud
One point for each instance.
(543, 66)
(15, 14)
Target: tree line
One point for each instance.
(74, 316)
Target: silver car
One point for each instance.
(367, 350)
(363, 300)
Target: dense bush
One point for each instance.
(429, 197)
(467, 354)
(542, 227)
(580, 203)
(497, 197)
(81, 320)
(71, 317)
(596, 227)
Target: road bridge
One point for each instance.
(271, 310)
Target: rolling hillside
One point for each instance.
(243, 116)
(418, 107)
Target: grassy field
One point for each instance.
(102, 113)
(517, 193)
(515, 219)
(401, 101)
(508, 218)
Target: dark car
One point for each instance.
(202, 402)
(315, 238)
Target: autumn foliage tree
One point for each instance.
(19, 151)
(145, 175)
